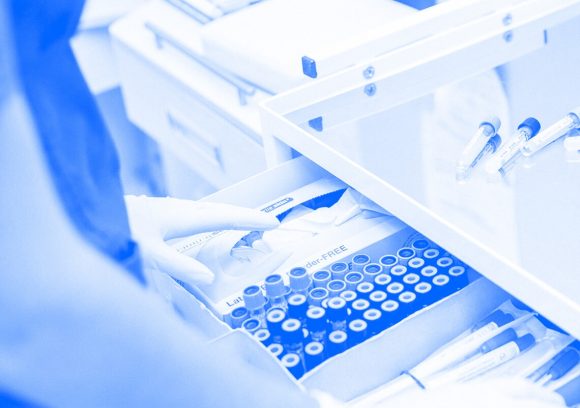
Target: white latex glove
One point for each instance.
(154, 220)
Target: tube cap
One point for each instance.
(263, 335)
(378, 297)
(359, 261)
(371, 270)
(321, 278)
(357, 326)
(274, 319)
(411, 279)
(533, 124)
(495, 142)
(416, 263)
(420, 244)
(492, 121)
(383, 280)
(503, 338)
(337, 337)
(389, 306)
(566, 362)
(254, 298)
(360, 305)
(317, 295)
(525, 342)
(338, 270)
(334, 287)
(349, 295)
(314, 348)
(365, 288)
(388, 260)
(251, 325)
(299, 279)
(297, 305)
(292, 331)
(352, 279)
(405, 253)
(275, 286)
(276, 349)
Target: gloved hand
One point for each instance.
(154, 220)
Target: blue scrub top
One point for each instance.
(79, 151)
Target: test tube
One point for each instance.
(364, 289)
(252, 325)
(313, 354)
(398, 271)
(321, 278)
(338, 270)
(419, 246)
(300, 281)
(350, 296)
(359, 261)
(391, 312)
(395, 289)
(316, 323)
(335, 287)
(441, 286)
(371, 270)
(458, 275)
(297, 307)
(292, 362)
(276, 291)
(238, 316)
(487, 129)
(374, 319)
(387, 262)
(337, 313)
(255, 301)
(292, 337)
(337, 342)
(425, 294)
(407, 303)
(404, 254)
(526, 130)
(264, 336)
(381, 281)
(490, 148)
(415, 264)
(352, 279)
(568, 123)
(358, 307)
(274, 320)
(276, 349)
(357, 332)
(429, 271)
(376, 298)
(316, 296)
(430, 255)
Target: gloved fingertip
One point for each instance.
(268, 221)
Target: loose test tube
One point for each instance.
(350, 296)
(407, 303)
(238, 316)
(297, 307)
(391, 312)
(337, 313)
(359, 261)
(335, 287)
(276, 349)
(458, 275)
(292, 362)
(490, 148)
(292, 337)
(424, 292)
(382, 281)
(486, 130)
(313, 354)
(352, 279)
(568, 123)
(252, 325)
(430, 256)
(415, 264)
(274, 320)
(374, 319)
(276, 291)
(337, 342)
(357, 332)
(526, 130)
(316, 323)
(338, 270)
(358, 307)
(371, 270)
(387, 262)
(255, 303)
(404, 254)
(264, 336)
(316, 296)
(429, 271)
(376, 298)
(300, 281)
(364, 289)
(441, 286)
(419, 246)
(321, 278)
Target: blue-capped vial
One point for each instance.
(376, 298)
(429, 271)
(339, 270)
(394, 289)
(458, 275)
(490, 148)
(444, 263)
(415, 264)
(358, 307)
(300, 281)
(496, 319)
(263, 336)
(391, 312)
(350, 296)
(276, 349)
(486, 131)
(276, 291)
(387, 262)
(337, 313)
(255, 303)
(252, 325)
(371, 271)
(238, 316)
(411, 279)
(364, 289)
(425, 294)
(321, 278)
(498, 340)
(404, 255)
(316, 323)
(359, 261)
(441, 286)
(297, 306)
(313, 354)
(335, 287)
(407, 303)
(337, 342)
(398, 271)
(292, 337)
(431, 255)
(375, 321)
(419, 245)
(382, 281)
(352, 279)
(357, 332)
(562, 127)
(316, 296)
(293, 363)
(274, 319)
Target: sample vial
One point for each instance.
(376, 298)
(371, 270)
(337, 342)
(407, 303)
(337, 313)
(381, 281)
(274, 319)
(293, 363)
(316, 296)
(238, 316)
(316, 323)
(490, 148)
(338, 270)
(358, 307)
(526, 130)
(313, 354)
(352, 279)
(335, 287)
(458, 275)
(359, 261)
(321, 278)
(297, 307)
(404, 254)
(292, 337)
(276, 291)
(255, 301)
(387, 262)
(263, 335)
(300, 281)
(350, 296)
(487, 129)
(357, 332)
(252, 325)
(441, 286)
(375, 322)
(276, 349)
(391, 312)
(398, 271)
(364, 289)
(415, 264)
(419, 246)
(568, 123)
(424, 292)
